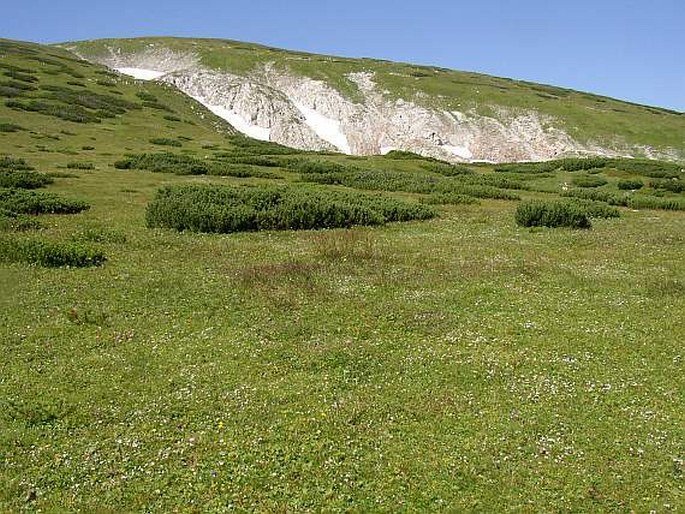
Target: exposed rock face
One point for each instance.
(277, 105)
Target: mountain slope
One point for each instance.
(366, 106)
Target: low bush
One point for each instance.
(653, 202)
(386, 180)
(171, 117)
(49, 253)
(446, 169)
(224, 209)
(630, 184)
(9, 163)
(164, 163)
(21, 201)
(589, 181)
(148, 97)
(73, 113)
(23, 179)
(12, 222)
(241, 171)
(80, 165)
(595, 209)
(675, 186)
(551, 214)
(165, 141)
(10, 127)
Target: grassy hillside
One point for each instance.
(458, 362)
(586, 117)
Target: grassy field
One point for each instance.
(461, 363)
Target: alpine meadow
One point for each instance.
(271, 281)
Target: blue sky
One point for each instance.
(634, 50)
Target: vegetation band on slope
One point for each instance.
(225, 209)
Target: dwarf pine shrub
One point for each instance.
(630, 184)
(7, 162)
(225, 209)
(76, 165)
(12, 222)
(673, 185)
(49, 254)
(165, 141)
(165, 163)
(551, 214)
(589, 181)
(10, 127)
(23, 179)
(21, 201)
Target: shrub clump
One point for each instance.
(50, 254)
(20, 201)
(630, 184)
(164, 163)
(7, 162)
(10, 127)
(165, 141)
(80, 165)
(12, 222)
(225, 209)
(551, 214)
(23, 179)
(672, 185)
(589, 181)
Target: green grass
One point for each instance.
(461, 363)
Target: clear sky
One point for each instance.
(629, 49)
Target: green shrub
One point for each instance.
(9, 163)
(148, 97)
(106, 83)
(648, 168)
(630, 184)
(653, 202)
(10, 127)
(411, 182)
(588, 181)
(171, 117)
(551, 214)
(21, 76)
(595, 209)
(527, 167)
(597, 195)
(165, 141)
(49, 253)
(446, 169)
(23, 179)
(80, 165)
(12, 222)
(241, 171)
(73, 113)
(224, 209)
(675, 186)
(164, 163)
(21, 201)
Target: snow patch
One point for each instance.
(141, 73)
(237, 121)
(385, 150)
(326, 128)
(459, 151)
